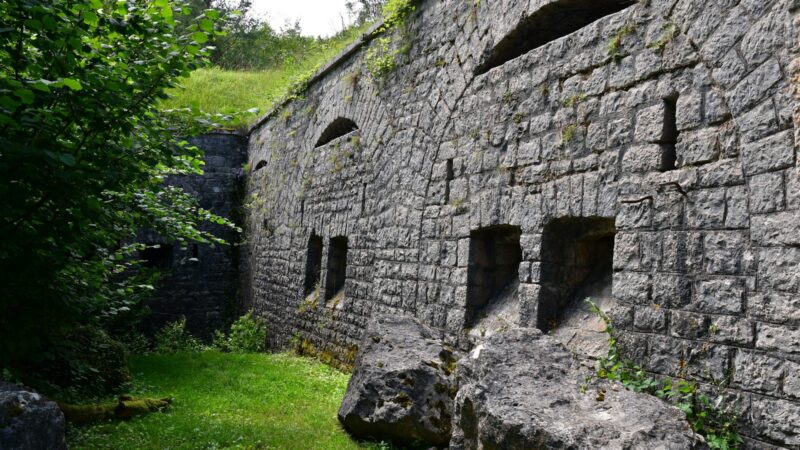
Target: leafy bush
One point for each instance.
(712, 420)
(85, 155)
(174, 338)
(248, 334)
(136, 343)
(86, 363)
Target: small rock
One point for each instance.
(28, 421)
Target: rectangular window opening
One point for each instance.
(576, 263)
(157, 256)
(337, 267)
(493, 273)
(548, 23)
(313, 264)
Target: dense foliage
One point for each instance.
(247, 334)
(83, 157)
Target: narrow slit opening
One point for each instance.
(313, 264)
(363, 198)
(548, 23)
(669, 135)
(448, 178)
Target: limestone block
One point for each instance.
(767, 193)
(719, 296)
(780, 338)
(775, 307)
(771, 153)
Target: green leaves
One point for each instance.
(71, 83)
(84, 152)
(199, 37)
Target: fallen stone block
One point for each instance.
(403, 384)
(521, 389)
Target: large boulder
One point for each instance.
(403, 384)
(28, 421)
(521, 389)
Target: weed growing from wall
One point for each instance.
(382, 56)
(707, 416)
(615, 44)
(669, 32)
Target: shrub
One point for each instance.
(136, 343)
(85, 364)
(174, 338)
(248, 334)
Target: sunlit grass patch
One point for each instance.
(237, 401)
(217, 91)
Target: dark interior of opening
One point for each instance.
(156, 256)
(576, 252)
(261, 164)
(669, 135)
(338, 128)
(547, 24)
(494, 257)
(337, 266)
(448, 178)
(363, 198)
(313, 264)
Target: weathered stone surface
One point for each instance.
(28, 421)
(522, 390)
(564, 130)
(200, 281)
(403, 384)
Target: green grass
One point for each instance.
(217, 91)
(231, 401)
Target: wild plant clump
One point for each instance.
(705, 412)
(248, 335)
(173, 338)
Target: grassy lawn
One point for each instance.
(214, 90)
(232, 401)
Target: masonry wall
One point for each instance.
(706, 268)
(201, 282)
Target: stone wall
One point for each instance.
(676, 119)
(201, 281)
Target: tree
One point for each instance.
(84, 153)
(363, 11)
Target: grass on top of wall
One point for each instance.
(231, 401)
(218, 91)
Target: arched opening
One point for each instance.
(548, 23)
(336, 129)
